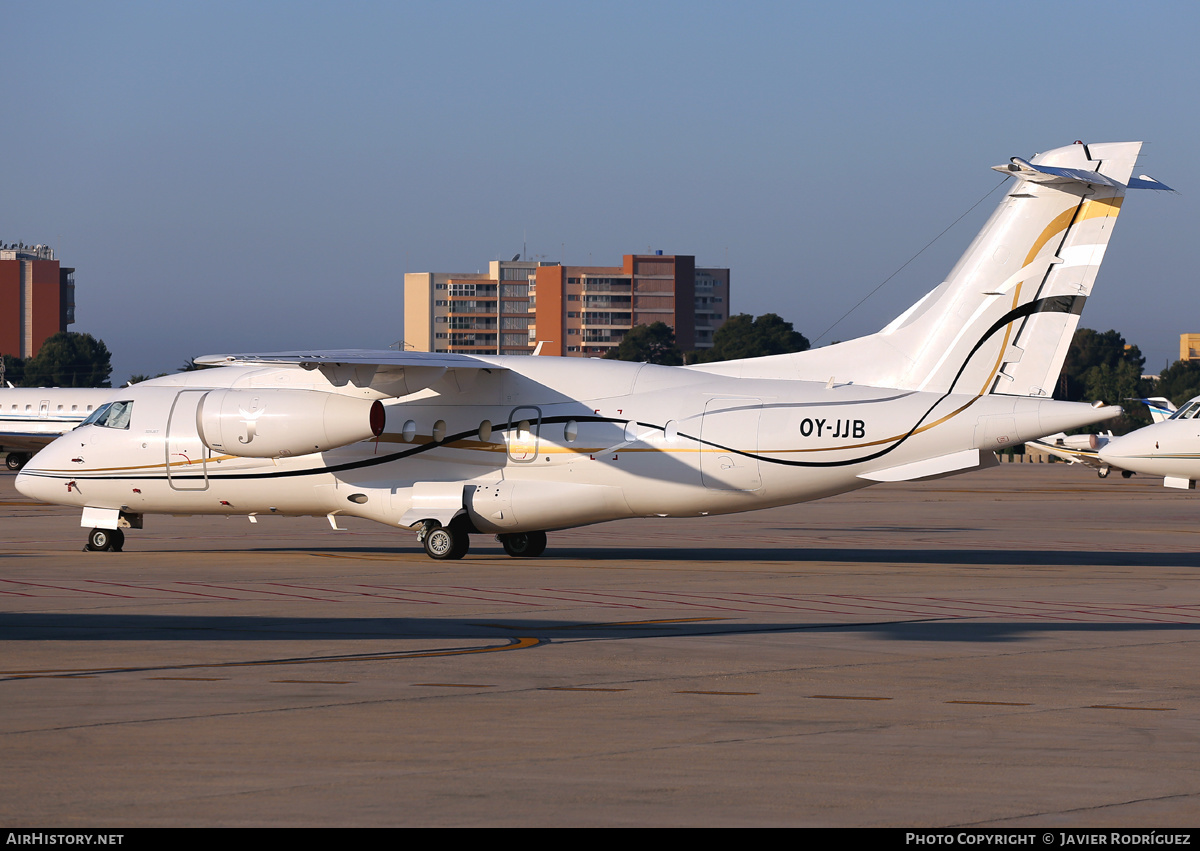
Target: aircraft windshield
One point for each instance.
(96, 414)
(1188, 411)
(111, 415)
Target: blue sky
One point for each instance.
(260, 176)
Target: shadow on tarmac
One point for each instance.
(88, 627)
(689, 555)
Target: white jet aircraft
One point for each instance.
(1170, 449)
(31, 418)
(516, 446)
(1085, 448)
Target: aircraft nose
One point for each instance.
(29, 484)
(1119, 451)
(33, 482)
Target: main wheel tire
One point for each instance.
(16, 460)
(1103, 472)
(446, 543)
(524, 544)
(105, 540)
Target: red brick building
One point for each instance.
(37, 298)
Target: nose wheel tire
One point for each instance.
(446, 543)
(105, 540)
(523, 544)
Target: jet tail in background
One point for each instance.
(1003, 319)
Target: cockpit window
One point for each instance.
(96, 414)
(1188, 411)
(111, 415)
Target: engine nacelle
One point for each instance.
(277, 423)
(1081, 442)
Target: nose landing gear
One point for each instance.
(105, 540)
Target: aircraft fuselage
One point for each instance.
(644, 440)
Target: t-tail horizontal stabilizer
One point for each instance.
(1018, 167)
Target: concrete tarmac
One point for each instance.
(1013, 648)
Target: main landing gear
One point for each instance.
(523, 544)
(17, 460)
(105, 540)
(446, 543)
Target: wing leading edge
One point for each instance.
(388, 372)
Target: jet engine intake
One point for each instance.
(278, 423)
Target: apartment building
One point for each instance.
(474, 313)
(577, 311)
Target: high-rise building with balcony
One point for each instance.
(580, 311)
(479, 313)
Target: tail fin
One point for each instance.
(1003, 319)
(1160, 408)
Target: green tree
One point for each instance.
(1179, 382)
(743, 336)
(69, 359)
(654, 343)
(14, 371)
(1091, 349)
(1103, 367)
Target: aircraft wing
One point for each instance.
(357, 357)
(389, 372)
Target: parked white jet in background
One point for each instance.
(1085, 448)
(516, 446)
(1170, 449)
(31, 418)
